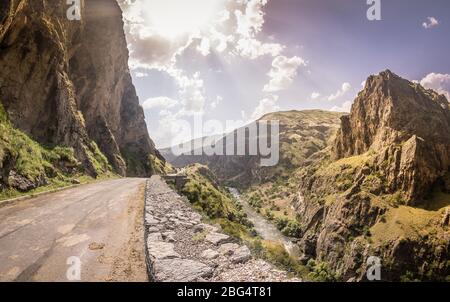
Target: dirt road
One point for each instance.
(92, 233)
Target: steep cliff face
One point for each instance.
(382, 188)
(409, 128)
(67, 82)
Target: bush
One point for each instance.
(320, 272)
(281, 223)
(292, 229)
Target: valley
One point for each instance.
(336, 189)
(377, 187)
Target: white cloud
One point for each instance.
(250, 22)
(266, 105)
(430, 23)
(252, 48)
(191, 91)
(159, 33)
(159, 102)
(315, 95)
(205, 47)
(341, 92)
(345, 107)
(216, 102)
(283, 72)
(141, 74)
(438, 82)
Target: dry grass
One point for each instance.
(404, 222)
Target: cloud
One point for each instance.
(266, 105)
(253, 49)
(345, 107)
(205, 47)
(315, 95)
(216, 102)
(438, 82)
(250, 22)
(430, 23)
(191, 91)
(341, 92)
(232, 28)
(141, 74)
(283, 72)
(159, 102)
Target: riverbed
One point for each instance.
(263, 227)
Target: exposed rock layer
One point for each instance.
(362, 199)
(67, 82)
(409, 128)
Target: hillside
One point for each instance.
(381, 191)
(302, 134)
(66, 85)
(373, 184)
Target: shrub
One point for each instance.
(292, 229)
(320, 272)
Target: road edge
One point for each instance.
(147, 255)
(30, 196)
(6, 202)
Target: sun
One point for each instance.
(174, 18)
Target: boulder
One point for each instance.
(217, 238)
(180, 270)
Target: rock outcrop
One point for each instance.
(67, 82)
(408, 127)
(381, 191)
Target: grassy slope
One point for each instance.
(219, 207)
(36, 162)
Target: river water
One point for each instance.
(263, 227)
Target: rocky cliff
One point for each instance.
(67, 83)
(381, 190)
(409, 128)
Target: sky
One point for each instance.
(235, 60)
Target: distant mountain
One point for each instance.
(302, 134)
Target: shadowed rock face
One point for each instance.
(68, 83)
(406, 125)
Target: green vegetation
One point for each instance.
(320, 272)
(215, 202)
(275, 253)
(99, 160)
(220, 208)
(42, 168)
(158, 166)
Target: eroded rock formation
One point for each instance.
(67, 82)
(407, 126)
(382, 188)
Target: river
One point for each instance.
(264, 228)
